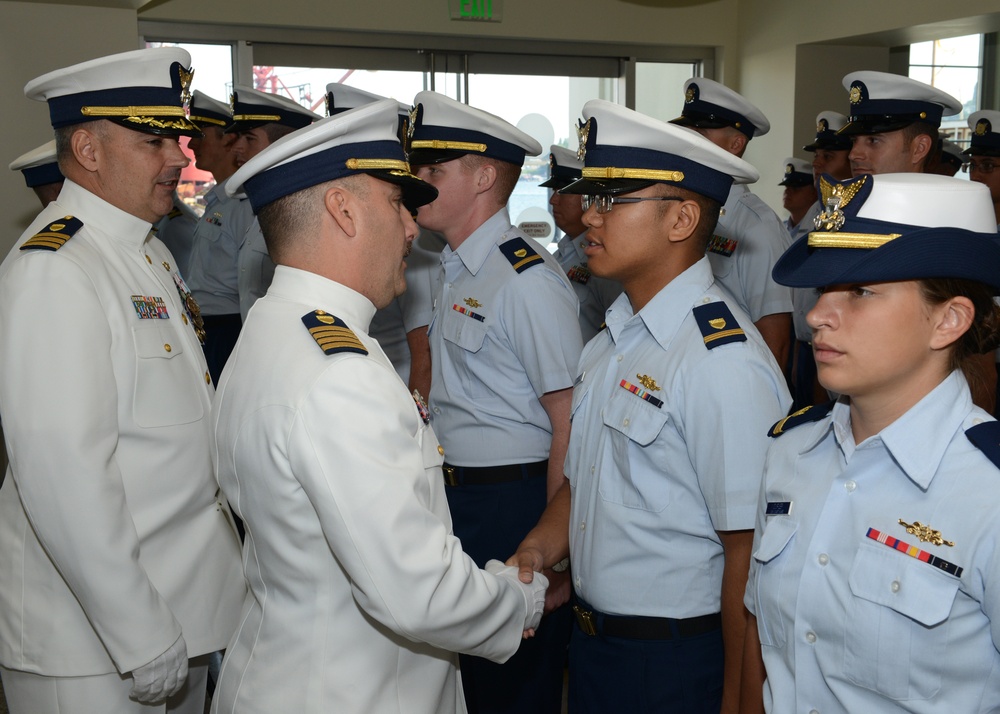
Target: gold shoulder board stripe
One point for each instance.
(54, 235)
(332, 334)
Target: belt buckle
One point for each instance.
(449, 476)
(585, 619)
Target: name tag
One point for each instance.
(778, 508)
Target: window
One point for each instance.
(953, 65)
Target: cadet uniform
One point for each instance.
(504, 333)
(670, 409)
(113, 538)
(359, 593)
(253, 108)
(875, 565)
(595, 294)
(750, 237)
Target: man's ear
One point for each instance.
(85, 146)
(485, 177)
(342, 207)
(920, 148)
(683, 222)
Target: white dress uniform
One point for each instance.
(113, 536)
(747, 243)
(855, 613)
(359, 593)
(595, 294)
(667, 447)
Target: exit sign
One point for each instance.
(481, 10)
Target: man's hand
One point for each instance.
(559, 590)
(533, 592)
(163, 677)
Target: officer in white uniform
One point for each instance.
(670, 412)
(216, 238)
(595, 294)
(259, 119)
(41, 171)
(359, 592)
(749, 237)
(876, 560)
(401, 326)
(504, 345)
(118, 556)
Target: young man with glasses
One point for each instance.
(671, 408)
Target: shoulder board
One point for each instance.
(54, 235)
(986, 438)
(521, 255)
(332, 334)
(717, 325)
(802, 416)
(175, 213)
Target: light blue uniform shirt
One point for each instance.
(653, 483)
(211, 273)
(595, 294)
(747, 243)
(256, 269)
(499, 340)
(803, 299)
(849, 624)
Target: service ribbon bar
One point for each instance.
(915, 552)
(641, 393)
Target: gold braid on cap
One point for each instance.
(375, 164)
(866, 241)
(611, 172)
(207, 120)
(169, 111)
(443, 144)
(256, 117)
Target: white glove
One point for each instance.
(163, 677)
(533, 592)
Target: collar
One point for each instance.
(322, 293)
(101, 216)
(664, 314)
(919, 439)
(478, 246)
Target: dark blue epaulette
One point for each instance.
(717, 325)
(521, 255)
(332, 334)
(986, 438)
(175, 213)
(54, 235)
(802, 416)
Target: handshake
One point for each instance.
(542, 591)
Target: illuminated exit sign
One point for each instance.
(481, 10)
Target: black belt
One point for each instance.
(639, 627)
(482, 475)
(222, 320)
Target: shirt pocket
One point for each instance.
(897, 624)
(771, 587)
(167, 391)
(634, 481)
(466, 336)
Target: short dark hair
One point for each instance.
(912, 131)
(507, 174)
(275, 131)
(288, 218)
(709, 208)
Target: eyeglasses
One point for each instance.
(604, 201)
(983, 167)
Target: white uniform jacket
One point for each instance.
(359, 593)
(112, 537)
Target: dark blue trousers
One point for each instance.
(491, 520)
(614, 674)
(221, 333)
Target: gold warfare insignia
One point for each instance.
(472, 302)
(582, 132)
(835, 196)
(822, 125)
(925, 534)
(718, 323)
(648, 382)
(186, 75)
(689, 95)
(982, 127)
(855, 95)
